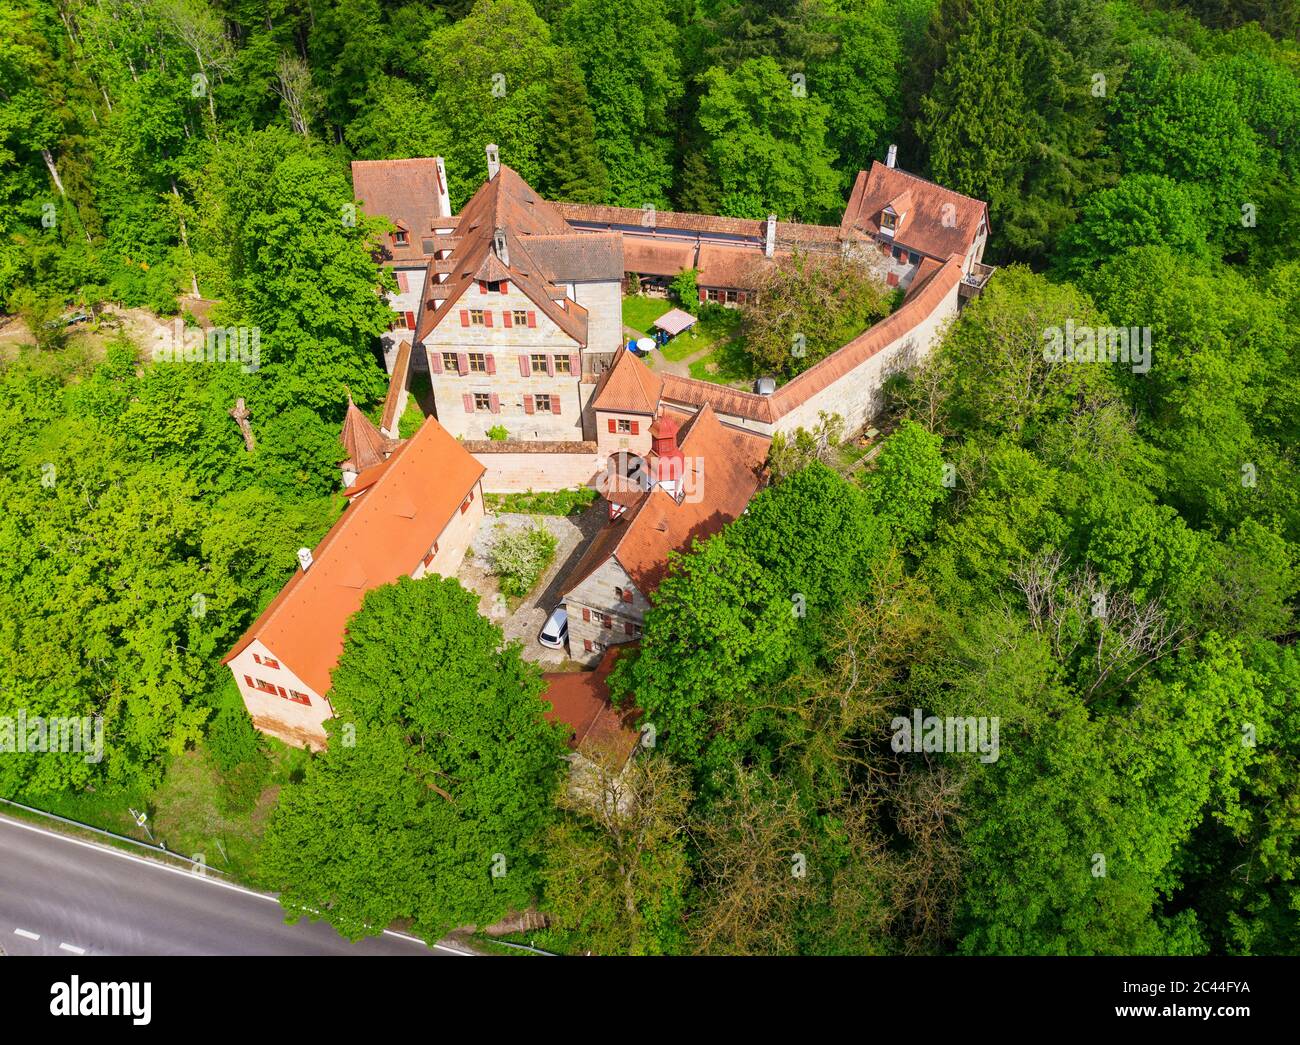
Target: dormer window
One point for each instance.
(888, 220)
(401, 238)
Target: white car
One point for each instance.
(555, 632)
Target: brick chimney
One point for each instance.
(444, 197)
(667, 463)
(891, 159)
(769, 239)
(494, 161)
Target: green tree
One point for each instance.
(432, 798)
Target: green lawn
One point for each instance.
(639, 313)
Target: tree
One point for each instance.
(450, 771)
(571, 167)
(765, 143)
(628, 52)
(807, 307)
(616, 871)
(908, 481)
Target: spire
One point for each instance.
(365, 445)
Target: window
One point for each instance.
(586, 645)
(449, 362)
(913, 258)
(714, 295)
(624, 427)
(624, 594)
(888, 220)
(477, 363)
(476, 318)
(426, 245)
(482, 401)
(298, 698)
(432, 552)
(520, 317)
(563, 365)
(731, 297)
(606, 621)
(266, 662)
(542, 403)
(537, 362)
(264, 686)
(464, 505)
(401, 238)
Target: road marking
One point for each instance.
(69, 947)
(26, 935)
(110, 851)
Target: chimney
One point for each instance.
(500, 246)
(304, 559)
(891, 159)
(769, 241)
(444, 197)
(494, 161)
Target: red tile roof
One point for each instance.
(507, 202)
(405, 192)
(381, 536)
(580, 699)
(395, 401)
(929, 227)
(647, 256)
(628, 386)
(724, 468)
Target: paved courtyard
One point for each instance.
(573, 534)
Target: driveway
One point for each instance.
(573, 534)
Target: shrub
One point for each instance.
(556, 502)
(520, 557)
(498, 433)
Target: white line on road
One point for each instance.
(202, 878)
(26, 935)
(69, 947)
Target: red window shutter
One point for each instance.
(704, 294)
(636, 427)
(613, 426)
(482, 287)
(550, 366)
(555, 403)
(586, 613)
(402, 284)
(892, 279)
(627, 627)
(496, 403)
(505, 319)
(435, 362)
(524, 369)
(462, 362)
(505, 286)
(586, 645)
(410, 320)
(627, 594)
(575, 363)
(528, 404)
(468, 400)
(491, 363)
(464, 317)
(248, 681)
(607, 620)
(283, 692)
(487, 319)
(532, 319)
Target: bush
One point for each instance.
(685, 290)
(498, 433)
(520, 557)
(237, 750)
(557, 502)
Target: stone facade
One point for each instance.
(599, 616)
(506, 388)
(517, 467)
(279, 702)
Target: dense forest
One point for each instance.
(1105, 559)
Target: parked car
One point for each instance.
(555, 632)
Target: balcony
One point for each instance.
(974, 281)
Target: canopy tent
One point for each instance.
(674, 321)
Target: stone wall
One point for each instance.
(597, 594)
(517, 466)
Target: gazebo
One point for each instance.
(674, 321)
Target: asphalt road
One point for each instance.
(62, 896)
